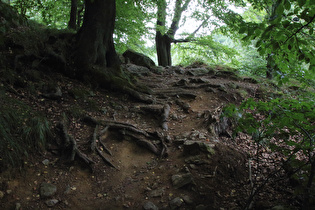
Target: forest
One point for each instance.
(157, 104)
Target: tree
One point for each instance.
(163, 40)
(95, 45)
(208, 14)
(73, 15)
(95, 57)
(288, 35)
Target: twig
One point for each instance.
(299, 30)
(104, 158)
(93, 141)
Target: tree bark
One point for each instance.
(163, 49)
(73, 15)
(163, 39)
(95, 45)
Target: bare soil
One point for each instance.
(220, 181)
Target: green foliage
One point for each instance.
(285, 126)
(21, 132)
(209, 49)
(286, 33)
(54, 14)
(131, 27)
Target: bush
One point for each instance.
(286, 127)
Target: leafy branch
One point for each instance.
(297, 31)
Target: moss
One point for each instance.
(76, 111)
(79, 93)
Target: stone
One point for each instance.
(138, 70)
(196, 160)
(157, 193)
(180, 180)
(149, 206)
(198, 71)
(18, 206)
(187, 199)
(51, 202)
(176, 203)
(227, 75)
(195, 147)
(47, 190)
(45, 162)
(139, 59)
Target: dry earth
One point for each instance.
(212, 174)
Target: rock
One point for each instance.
(138, 58)
(201, 207)
(209, 90)
(176, 203)
(196, 160)
(138, 70)
(18, 206)
(45, 162)
(149, 206)
(197, 71)
(179, 70)
(180, 180)
(51, 202)
(157, 193)
(47, 190)
(182, 82)
(227, 74)
(195, 147)
(187, 199)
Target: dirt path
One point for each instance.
(200, 170)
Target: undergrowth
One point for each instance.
(282, 127)
(22, 132)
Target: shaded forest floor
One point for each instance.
(203, 167)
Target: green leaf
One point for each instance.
(287, 5)
(275, 45)
(301, 2)
(286, 23)
(311, 31)
(280, 10)
(243, 29)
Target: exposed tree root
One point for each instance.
(165, 114)
(161, 111)
(104, 158)
(69, 146)
(141, 137)
(175, 92)
(94, 147)
(93, 141)
(184, 105)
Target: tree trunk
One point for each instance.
(163, 49)
(73, 15)
(95, 45)
(270, 67)
(163, 39)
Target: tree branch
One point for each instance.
(299, 30)
(177, 16)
